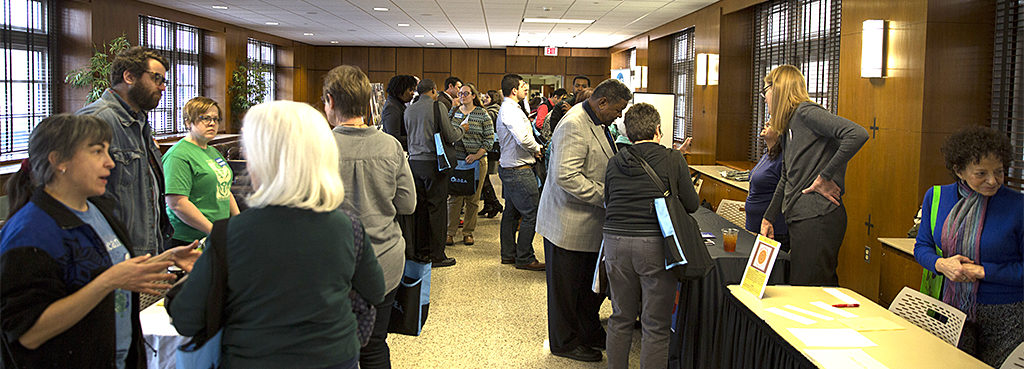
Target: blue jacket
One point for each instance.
(130, 185)
(1002, 242)
(47, 253)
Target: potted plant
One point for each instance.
(96, 75)
(248, 87)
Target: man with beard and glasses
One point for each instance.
(137, 181)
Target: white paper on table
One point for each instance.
(843, 359)
(789, 315)
(832, 337)
(808, 312)
(842, 296)
(836, 311)
(868, 324)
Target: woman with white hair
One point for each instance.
(291, 256)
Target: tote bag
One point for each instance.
(203, 350)
(412, 300)
(464, 179)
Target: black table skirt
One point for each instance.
(746, 341)
(696, 329)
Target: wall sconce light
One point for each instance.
(873, 49)
(706, 69)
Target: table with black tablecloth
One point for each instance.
(696, 329)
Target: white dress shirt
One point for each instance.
(515, 135)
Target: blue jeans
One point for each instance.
(519, 188)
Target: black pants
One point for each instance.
(814, 249)
(488, 195)
(376, 354)
(431, 216)
(572, 306)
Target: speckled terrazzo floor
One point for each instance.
(484, 314)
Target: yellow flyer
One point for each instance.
(759, 266)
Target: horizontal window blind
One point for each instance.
(265, 52)
(181, 45)
(804, 33)
(27, 38)
(682, 84)
(1008, 83)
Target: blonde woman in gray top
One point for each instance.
(379, 186)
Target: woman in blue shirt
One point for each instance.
(763, 181)
(68, 282)
(979, 228)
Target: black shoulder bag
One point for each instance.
(685, 253)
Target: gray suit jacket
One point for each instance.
(571, 212)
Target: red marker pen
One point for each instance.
(845, 305)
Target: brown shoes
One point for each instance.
(468, 240)
(535, 266)
(449, 241)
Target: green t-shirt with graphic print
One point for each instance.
(205, 177)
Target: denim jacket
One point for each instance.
(139, 195)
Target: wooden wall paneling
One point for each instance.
(216, 76)
(491, 61)
(489, 81)
(968, 81)
(620, 60)
(522, 51)
(380, 77)
(437, 60)
(465, 64)
(326, 57)
(76, 42)
(382, 59)
(898, 270)
(521, 64)
(409, 61)
(286, 72)
(660, 65)
(437, 77)
(551, 65)
(734, 90)
(588, 53)
(355, 56)
(588, 66)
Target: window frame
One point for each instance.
(791, 39)
(177, 92)
(267, 56)
(1008, 84)
(38, 40)
(683, 63)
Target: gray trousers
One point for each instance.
(639, 285)
(814, 249)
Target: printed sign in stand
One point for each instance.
(759, 266)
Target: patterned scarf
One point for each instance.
(961, 234)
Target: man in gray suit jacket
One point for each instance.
(571, 216)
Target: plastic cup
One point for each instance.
(729, 236)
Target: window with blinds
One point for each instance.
(181, 45)
(1008, 83)
(265, 52)
(804, 33)
(27, 38)
(682, 84)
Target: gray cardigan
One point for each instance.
(378, 186)
(420, 126)
(817, 142)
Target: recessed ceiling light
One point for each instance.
(307, 34)
(334, 41)
(430, 44)
(380, 9)
(418, 36)
(403, 24)
(220, 7)
(272, 23)
(554, 20)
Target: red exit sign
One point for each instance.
(551, 51)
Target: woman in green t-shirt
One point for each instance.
(196, 176)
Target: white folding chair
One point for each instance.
(934, 316)
(1015, 360)
(733, 211)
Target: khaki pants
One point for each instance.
(471, 203)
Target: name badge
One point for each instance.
(221, 162)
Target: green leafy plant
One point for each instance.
(96, 75)
(248, 87)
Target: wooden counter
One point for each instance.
(716, 187)
(898, 266)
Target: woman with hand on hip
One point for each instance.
(196, 176)
(816, 146)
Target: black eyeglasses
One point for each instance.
(209, 119)
(157, 78)
(465, 93)
(765, 89)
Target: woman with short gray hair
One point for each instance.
(638, 282)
